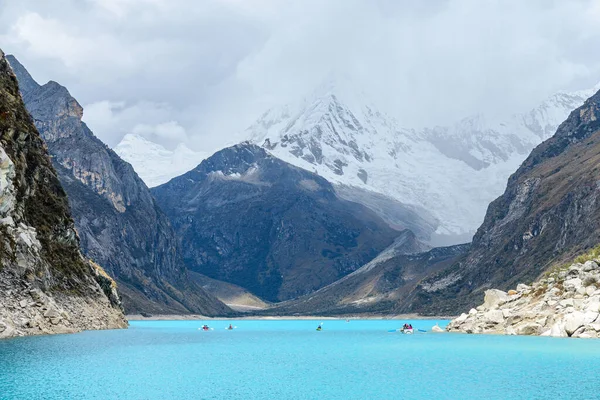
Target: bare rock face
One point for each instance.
(46, 286)
(119, 224)
(564, 303)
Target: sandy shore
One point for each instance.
(137, 317)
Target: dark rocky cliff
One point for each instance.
(46, 286)
(246, 217)
(119, 224)
(549, 212)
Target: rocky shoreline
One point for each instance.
(564, 303)
(27, 310)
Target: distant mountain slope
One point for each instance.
(234, 296)
(118, 222)
(246, 217)
(154, 163)
(379, 286)
(46, 286)
(549, 212)
(448, 174)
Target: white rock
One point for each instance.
(590, 290)
(589, 266)
(581, 290)
(436, 328)
(573, 284)
(494, 316)
(493, 298)
(472, 311)
(566, 303)
(558, 330)
(529, 328)
(589, 317)
(574, 321)
(595, 327)
(593, 304)
(562, 275)
(463, 317)
(521, 287)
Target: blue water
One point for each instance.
(290, 360)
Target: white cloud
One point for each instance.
(211, 66)
(112, 120)
(167, 131)
(49, 38)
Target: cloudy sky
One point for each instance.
(200, 71)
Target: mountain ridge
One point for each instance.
(119, 224)
(46, 286)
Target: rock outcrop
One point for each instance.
(549, 212)
(565, 302)
(119, 224)
(46, 286)
(248, 218)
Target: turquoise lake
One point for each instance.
(290, 360)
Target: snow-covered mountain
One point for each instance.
(154, 163)
(435, 181)
(449, 174)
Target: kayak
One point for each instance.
(405, 331)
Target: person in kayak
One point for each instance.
(230, 327)
(205, 327)
(319, 328)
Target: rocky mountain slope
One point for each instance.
(46, 286)
(378, 286)
(119, 224)
(564, 303)
(549, 212)
(246, 217)
(447, 175)
(154, 163)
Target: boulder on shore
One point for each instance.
(564, 303)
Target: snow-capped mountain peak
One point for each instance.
(451, 172)
(154, 163)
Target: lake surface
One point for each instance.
(290, 360)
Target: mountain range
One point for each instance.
(330, 207)
(119, 225)
(435, 181)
